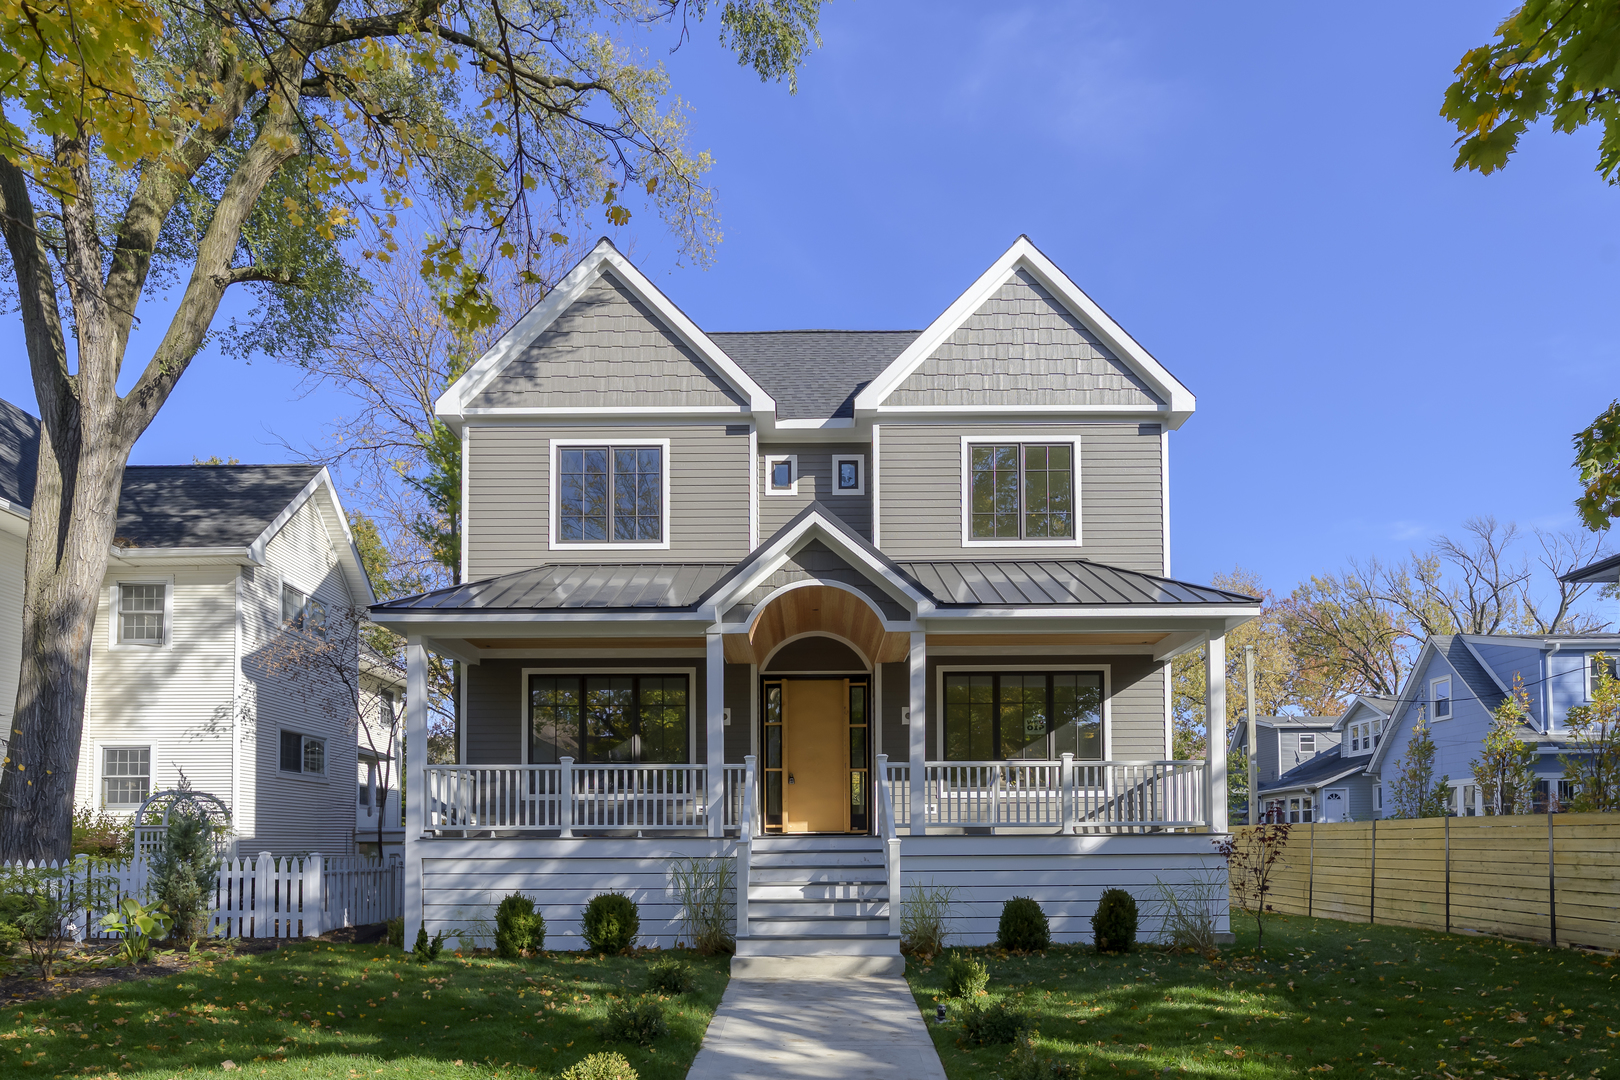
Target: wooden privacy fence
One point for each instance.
(1547, 877)
(269, 896)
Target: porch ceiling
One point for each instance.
(817, 609)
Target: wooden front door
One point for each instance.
(815, 752)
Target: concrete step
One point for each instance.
(810, 926)
(818, 890)
(818, 875)
(822, 945)
(802, 907)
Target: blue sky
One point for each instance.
(1262, 194)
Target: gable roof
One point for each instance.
(19, 456)
(1024, 256)
(1477, 679)
(169, 506)
(814, 374)
(1324, 768)
(453, 405)
(1239, 738)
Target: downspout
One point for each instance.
(1546, 693)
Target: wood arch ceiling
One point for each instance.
(812, 609)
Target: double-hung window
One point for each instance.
(302, 753)
(141, 613)
(1307, 743)
(998, 716)
(1599, 667)
(300, 611)
(1440, 694)
(609, 718)
(610, 494)
(1021, 491)
(126, 775)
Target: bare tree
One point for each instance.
(1562, 552)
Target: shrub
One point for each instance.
(923, 911)
(183, 871)
(1188, 910)
(966, 976)
(640, 1022)
(609, 1066)
(396, 933)
(991, 1024)
(705, 887)
(611, 923)
(671, 977)
(1027, 1063)
(519, 929)
(1113, 928)
(1023, 926)
(99, 832)
(139, 925)
(427, 948)
(10, 938)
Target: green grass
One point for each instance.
(1324, 997)
(352, 1012)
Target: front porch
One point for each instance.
(820, 716)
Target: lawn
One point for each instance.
(1324, 997)
(354, 1011)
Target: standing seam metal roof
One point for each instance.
(1055, 581)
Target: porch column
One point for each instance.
(714, 694)
(1215, 737)
(413, 780)
(919, 733)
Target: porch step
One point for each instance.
(807, 907)
(826, 945)
(817, 875)
(818, 896)
(874, 891)
(807, 926)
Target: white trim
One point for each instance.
(860, 474)
(816, 424)
(771, 460)
(584, 651)
(1164, 492)
(1344, 807)
(452, 404)
(753, 710)
(691, 703)
(666, 511)
(876, 729)
(990, 437)
(877, 503)
(343, 540)
(1434, 699)
(747, 625)
(99, 762)
(753, 487)
(1023, 254)
(466, 494)
(240, 633)
(115, 621)
(322, 777)
(1105, 707)
(840, 638)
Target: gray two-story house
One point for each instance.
(859, 610)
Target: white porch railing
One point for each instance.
(891, 841)
(569, 796)
(1074, 796)
(748, 828)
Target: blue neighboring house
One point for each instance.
(1456, 684)
(1334, 785)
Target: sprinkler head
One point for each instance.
(939, 1012)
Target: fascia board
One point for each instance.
(222, 555)
(453, 402)
(13, 518)
(1024, 254)
(814, 527)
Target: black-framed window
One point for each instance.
(609, 718)
(1000, 715)
(610, 494)
(1021, 491)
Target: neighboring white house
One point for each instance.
(381, 739)
(218, 574)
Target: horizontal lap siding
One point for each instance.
(1121, 494)
(1498, 875)
(461, 891)
(1067, 884)
(816, 484)
(508, 493)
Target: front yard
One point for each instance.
(1325, 997)
(354, 1011)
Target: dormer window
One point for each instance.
(1355, 737)
(610, 495)
(1440, 694)
(1377, 731)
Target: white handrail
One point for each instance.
(891, 841)
(745, 845)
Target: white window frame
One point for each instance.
(309, 598)
(1378, 799)
(326, 741)
(99, 769)
(661, 544)
(115, 628)
(1434, 700)
(1032, 436)
(691, 674)
(771, 461)
(1299, 744)
(860, 474)
(1586, 668)
(1035, 665)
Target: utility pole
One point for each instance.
(1254, 745)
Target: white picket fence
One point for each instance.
(271, 896)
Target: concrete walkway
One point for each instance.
(848, 1027)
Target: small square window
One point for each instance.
(141, 614)
(849, 474)
(303, 754)
(1440, 693)
(782, 474)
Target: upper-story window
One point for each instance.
(1021, 491)
(300, 611)
(1377, 729)
(1307, 744)
(782, 474)
(610, 494)
(142, 611)
(849, 474)
(1599, 665)
(1440, 694)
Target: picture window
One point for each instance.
(609, 718)
(1006, 716)
(610, 494)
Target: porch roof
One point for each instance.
(1040, 582)
(570, 586)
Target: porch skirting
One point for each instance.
(464, 880)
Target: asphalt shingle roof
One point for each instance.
(19, 454)
(204, 505)
(1323, 766)
(814, 374)
(1462, 660)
